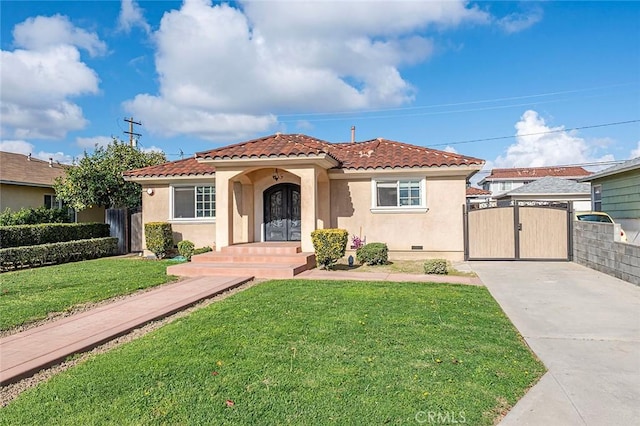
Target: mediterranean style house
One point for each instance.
(284, 186)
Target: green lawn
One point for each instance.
(31, 294)
(303, 352)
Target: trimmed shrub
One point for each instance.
(33, 216)
(159, 237)
(436, 266)
(202, 250)
(330, 245)
(186, 249)
(31, 235)
(373, 254)
(49, 254)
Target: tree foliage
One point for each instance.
(97, 179)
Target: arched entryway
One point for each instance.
(282, 213)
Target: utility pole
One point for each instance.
(131, 132)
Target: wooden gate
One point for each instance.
(522, 230)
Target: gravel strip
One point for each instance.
(10, 392)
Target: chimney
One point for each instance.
(50, 162)
(353, 134)
(29, 157)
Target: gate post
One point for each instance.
(465, 231)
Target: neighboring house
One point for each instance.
(477, 195)
(616, 191)
(501, 181)
(283, 187)
(552, 189)
(28, 182)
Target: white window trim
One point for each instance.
(422, 208)
(189, 219)
(593, 197)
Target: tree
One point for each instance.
(97, 179)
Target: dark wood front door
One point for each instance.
(282, 213)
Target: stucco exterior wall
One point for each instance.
(439, 230)
(156, 208)
(93, 214)
(16, 197)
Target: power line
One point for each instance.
(617, 123)
(481, 101)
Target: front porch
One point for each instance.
(260, 260)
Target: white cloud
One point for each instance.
(517, 22)
(226, 72)
(39, 79)
(538, 145)
(26, 148)
(635, 152)
(131, 15)
(450, 149)
(93, 141)
(43, 32)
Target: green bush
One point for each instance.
(330, 245)
(436, 266)
(49, 254)
(33, 216)
(373, 254)
(31, 235)
(202, 250)
(186, 249)
(159, 237)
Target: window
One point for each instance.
(51, 202)
(596, 197)
(504, 186)
(194, 202)
(398, 194)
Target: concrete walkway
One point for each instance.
(585, 327)
(318, 274)
(25, 353)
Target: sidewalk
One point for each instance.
(319, 274)
(25, 353)
(585, 327)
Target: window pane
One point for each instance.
(206, 201)
(410, 193)
(183, 203)
(387, 194)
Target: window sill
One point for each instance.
(193, 220)
(399, 210)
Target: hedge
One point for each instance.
(436, 266)
(33, 216)
(373, 254)
(49, 254)
(159, 238)
(330, 245)
(32, 235)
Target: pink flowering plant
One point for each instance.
(356, 242)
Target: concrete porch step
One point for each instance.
(225, 257)
(258, 270)
(263, 248)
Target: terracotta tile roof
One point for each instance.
(536, 173)
(472, 191)
(19, 169)
(278, 145)
(386, 154)
(373, 154)
(185, 167)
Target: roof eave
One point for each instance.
(432, 171)
(323, 160)
(167, 178)
(605, 174)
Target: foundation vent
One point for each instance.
(416, 247)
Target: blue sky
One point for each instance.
(448, 75)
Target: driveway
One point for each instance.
(585, 327)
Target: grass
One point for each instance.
(31, 294)
(303, 352)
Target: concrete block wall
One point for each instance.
(594, 246)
